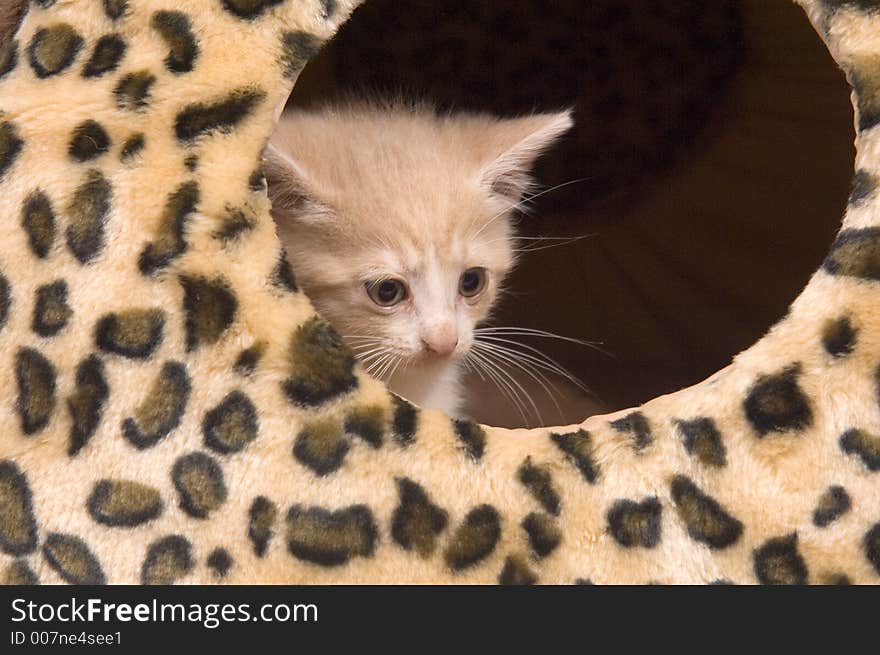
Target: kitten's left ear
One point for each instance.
(517, 143)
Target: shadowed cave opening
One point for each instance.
(713, 153)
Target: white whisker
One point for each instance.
(536, 248)
(500, 368)
(532, 371)
(510, 331)
(507, 390)
(379, 359)
(539, 359)
(525, 200)
(510, 358)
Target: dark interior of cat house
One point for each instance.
(707, 172)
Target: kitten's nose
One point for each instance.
(440, 348)
(440, 342)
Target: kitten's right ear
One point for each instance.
(289, 189)
(514, 145)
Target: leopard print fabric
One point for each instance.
(174, 411)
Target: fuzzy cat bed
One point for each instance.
(175, 412)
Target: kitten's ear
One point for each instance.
(516, 144)
(291, 192)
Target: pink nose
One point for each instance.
(440, 347)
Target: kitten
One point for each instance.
(397, 222)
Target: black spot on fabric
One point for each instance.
(87, 214)
(18, 574)
(578, 448)
(38, 221)
(257, 180)
(282, 275)
(703, 440)
(5, 299)
(864, 445)
(635, 524)
(132, 146)
(53, 49)
(199, 119)
(175, 28)
(199, 481)
(636, 425)
(543, 533)
(161, 410)
(220, 561)
(133, 333)
(123, 503)
(877, 383)
(18, 526)
(210, 307)
(839, 336)
(475, 538)
(108, 52)
(778, 562)
(8, 58)
(51, 310)
(167, 560)
(864, 185)
(331, 538)
(721, 582)
(35, 403)
(835, 579)
(297, 48)
(115, 9)
(133, 90)
(517, 572)
(538, 481)
(864, 74)
(249, 9)
(10, 146)
(855, 253)
(71, 558)
(261, 519)
(191, 163)
(864, 5)
(583, 581)
(247, 360)
(321, 446)
(86, 404)
(405, 421)
(233, 225)
(89, 140)
(472, 438)
(328, 8)
(833, 504)
(169, 241)
(872, 546)
(703, 516)
(231, 425)
(776, 403)
(367, 423)
(417, 522)
(321, 366)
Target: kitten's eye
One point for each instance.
(472, 281)
(386, 293)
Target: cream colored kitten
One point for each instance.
(397, 224)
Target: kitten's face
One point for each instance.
(412, 286)
(397, 223)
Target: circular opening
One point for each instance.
(704, 179)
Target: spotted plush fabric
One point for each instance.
(174, 411)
